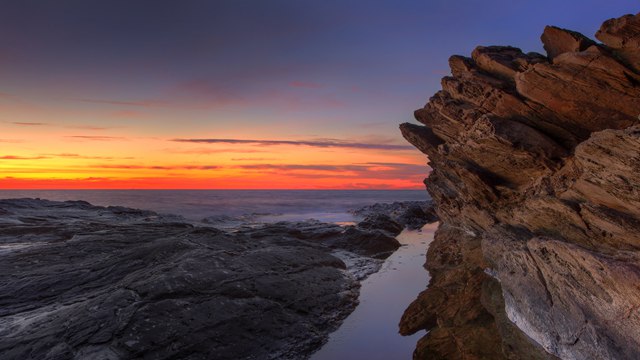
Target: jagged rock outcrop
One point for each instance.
(406, 214)
(80, 281)
(536, 179)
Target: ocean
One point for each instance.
(262, 205)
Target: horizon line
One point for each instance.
(212, 189)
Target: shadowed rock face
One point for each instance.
(86, 282)
(407, 214)
(536, 179)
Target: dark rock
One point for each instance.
(81, 281)
(367, 242)
(381, 222)
(376, 244)
(416, 215)
(409, 214)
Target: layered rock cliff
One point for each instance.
(536, 176)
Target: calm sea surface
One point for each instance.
(272, 205)
(370, 332)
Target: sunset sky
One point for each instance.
(239, 94)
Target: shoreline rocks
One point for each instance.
(83, 281)
(535, 178)
(410, 214)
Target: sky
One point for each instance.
(242, 94)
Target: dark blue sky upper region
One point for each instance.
(359, 62)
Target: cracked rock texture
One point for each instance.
(85, 282)
(536, 180)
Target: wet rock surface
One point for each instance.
(410, 214)
(535, 178)
(85, 282)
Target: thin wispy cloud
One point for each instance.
(87, 157)
(89, 127)
(397, 165)
(201, 151)
(303, 167)
(128, 114)
(95, 138)
(68, 155)
(325, 143)
(207, 91)
(36, 124)
(306, 85)
(15, 157)
(140, 103)
(389, 171)
(20, 123)
(81, 127)
(253, 159)
(153, 167)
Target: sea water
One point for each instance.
(271, 205)
(371, 331)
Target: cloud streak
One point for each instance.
(36, 124)
(325, 143)
(303, 167)
(29, 123)
(253, 159)
(14, 157)
(88, 127)
(306, 85)
(141, 103)
(95, 138)
(88, 157)
(147, 167)
(390, 171)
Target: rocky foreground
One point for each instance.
(80, 281)
(536, 176)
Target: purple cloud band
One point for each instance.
(329, 143)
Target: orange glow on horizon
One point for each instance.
(80, 143)
(119, 162)
(37, 151)
(195, 184)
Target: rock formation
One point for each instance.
(407, 214)
(87, 282)
(536, 179)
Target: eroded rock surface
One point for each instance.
(536, 179)
(410, 214)
(84, 282)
